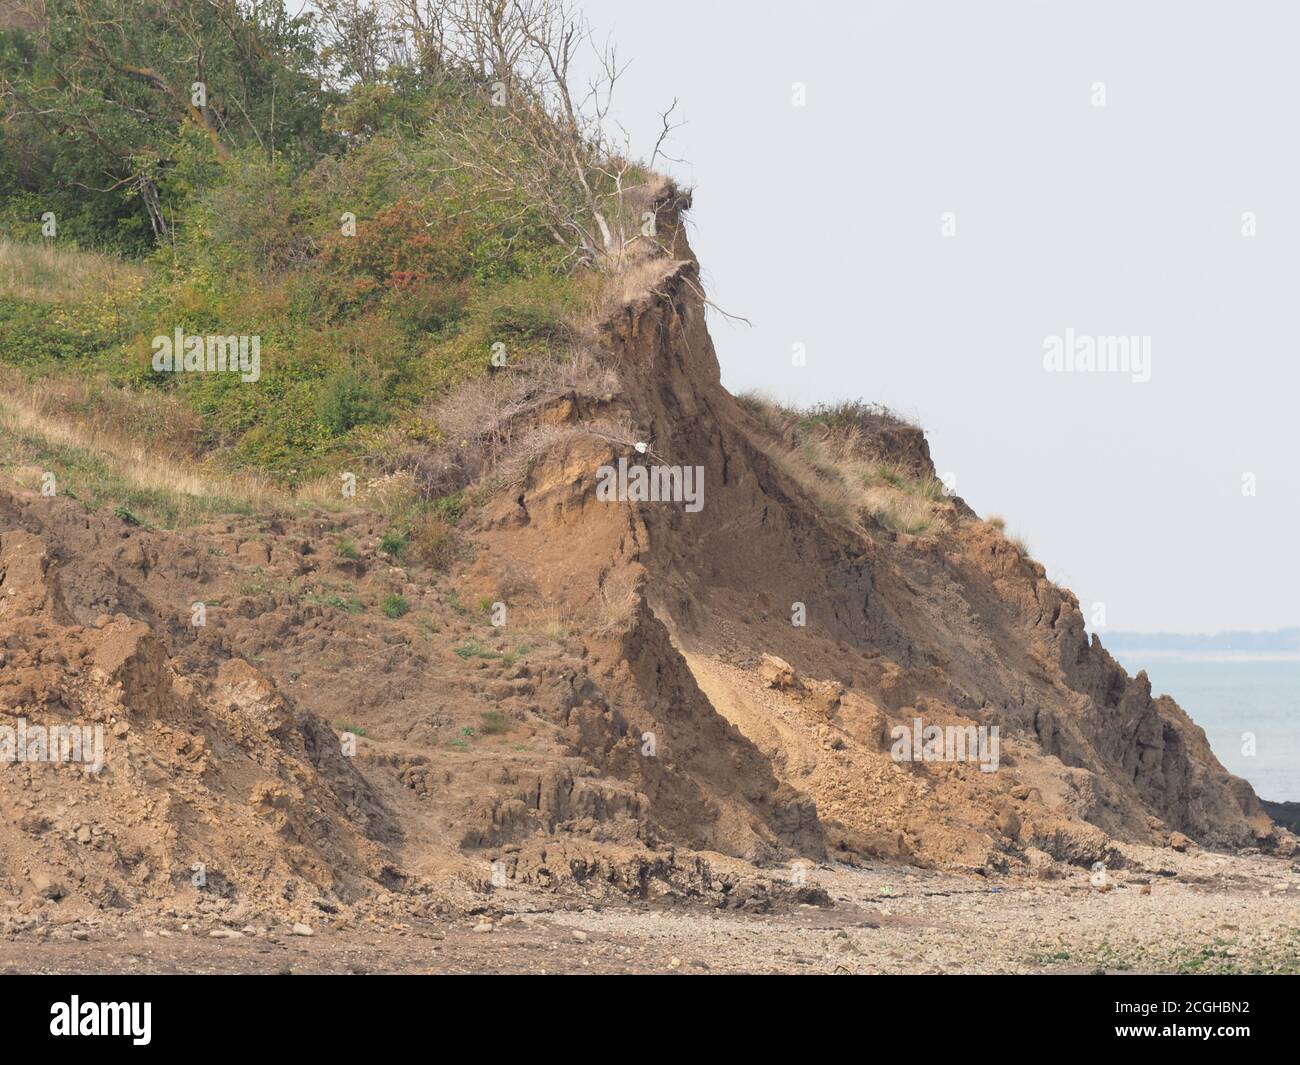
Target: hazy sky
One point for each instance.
(822, 224)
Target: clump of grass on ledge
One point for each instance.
(1018, 542)
(393, 543)
(828, 450)
(352, 605)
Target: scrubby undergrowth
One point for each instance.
(416, 237)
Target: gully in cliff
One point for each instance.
(651, 484)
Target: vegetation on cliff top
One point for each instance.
(383, 194)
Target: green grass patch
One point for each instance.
(352, 604)
(394, 606)
(393, 543)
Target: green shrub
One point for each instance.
(393, 543)
(346, 401)
(393, 606)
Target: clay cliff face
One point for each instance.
(957, 628)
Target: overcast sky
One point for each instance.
(823, 224)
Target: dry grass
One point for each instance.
(326, 493)
(50, 274)
(435, 541)
(492, 430)
(489, 422)
(900, 511)
(1000, 524)
(828, 452)
(633, 282)
(554, 625)
(77, 429)
(620, 591)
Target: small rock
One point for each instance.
(777, 672)
(48, 886)
(483, 926)
(579, 936)
(225, 933)
(301, 929)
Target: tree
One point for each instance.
(535, 133)
(95, 95)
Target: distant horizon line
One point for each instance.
(1284, 639)
(1190, 635)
